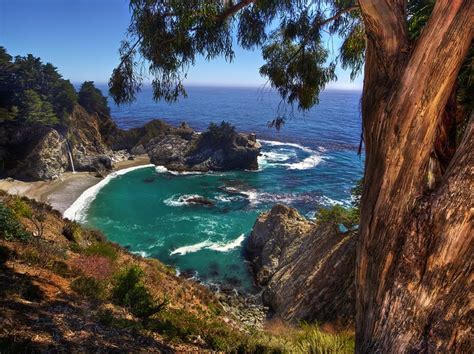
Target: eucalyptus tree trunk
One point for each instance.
(414, 258)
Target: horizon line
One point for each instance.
(210, 85)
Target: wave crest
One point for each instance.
(214, 246)
(77, 210)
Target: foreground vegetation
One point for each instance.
(71, 276)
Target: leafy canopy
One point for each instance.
(92, 100)
(166, 36)
(32, 91)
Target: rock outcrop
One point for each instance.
(93, 142)
(305, 269)
(185, 151)
(36, 152)
(31, 152)
(88, 140)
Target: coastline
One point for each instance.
(61, 193)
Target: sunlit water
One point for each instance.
(311, 163)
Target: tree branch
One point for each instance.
(126, 56)
(319, 25)
(234, 9)
(338, 14)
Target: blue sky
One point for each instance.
(82, 37)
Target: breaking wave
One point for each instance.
(214, 246)
(77, 210)
(163, 169)
(283, 154)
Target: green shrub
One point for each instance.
(130, 292)
(102, 249)
(89, 287)
(35, 214)
(313, 340)
(177, 325)
(72, 231)
(181, 326)
(217, 135)
(21, 208)
(338, 215)
(305, 339)
(10, 227)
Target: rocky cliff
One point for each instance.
(36, 152)
(92, 141)
(190, 151)
(88, 136)
(305, 269)
(31, 152)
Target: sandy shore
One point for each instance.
(62, 192)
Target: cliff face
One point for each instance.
(87, 137)
(189, 151)
(36, 152)
(31, 152)
(306, 270)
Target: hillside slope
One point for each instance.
(63, 287)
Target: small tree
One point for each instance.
(92, 100)
(35, 110)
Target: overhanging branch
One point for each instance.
(234, 9)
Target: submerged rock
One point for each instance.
(200, 200)
(306, 270)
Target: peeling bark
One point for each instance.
(412, 258)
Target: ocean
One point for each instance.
(311, 162)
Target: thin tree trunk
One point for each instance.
(411, 257)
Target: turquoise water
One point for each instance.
(316, 165)
(146, 210)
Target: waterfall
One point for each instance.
(70, 157)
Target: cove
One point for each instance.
(148, 210)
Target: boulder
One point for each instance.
(306, 270)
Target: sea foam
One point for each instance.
(77, 210)
(307, 163)
(279, 158)
(177, 200)
(163, 169)
(215, 246)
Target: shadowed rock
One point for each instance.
(306, 270)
